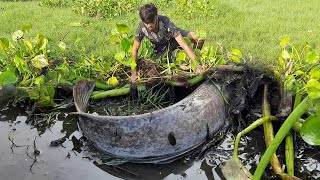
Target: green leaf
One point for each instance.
(201, 35)
(62, 45)
(236, 54)
(281, 63)
(122, 28)
(39, 80)
(44, 43)
(46, 96)
(310, 130)
(114, 39)
(220, 61)
(39, 61)
(21, 64)
(313, 89)
(130, 62)
(312, 57)
(284, 42)
(289, 82)
(4, 43)
(113, 81)
(125, 45)
(17, 35)
(205, 52)
(181, 56)
(7, 77)
(299, 73)
(315, 73)
(120, 56)
(28, 44)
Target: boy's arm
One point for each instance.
(185, 46)
(189, 51)
(134, 54)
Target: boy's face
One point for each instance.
(152, 26)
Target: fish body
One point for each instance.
(157, 136)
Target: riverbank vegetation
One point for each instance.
(254, 27)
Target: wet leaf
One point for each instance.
(122, 28)
(7, 77)
(310, 130)
(312, 57)
(17, 35)
(39, 61)
(313, 89)
(113, 81)
(235, 170)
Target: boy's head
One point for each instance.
(148, 13)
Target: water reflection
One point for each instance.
(74, 158)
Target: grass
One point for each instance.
(253, 26)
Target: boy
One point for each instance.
(163, 34)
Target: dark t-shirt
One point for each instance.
(165, 37)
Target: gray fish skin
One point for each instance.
(162, 134)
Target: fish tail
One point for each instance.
(81, 94)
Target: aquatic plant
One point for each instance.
(299, 70)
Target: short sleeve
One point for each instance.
(139, 33)
(171, 27)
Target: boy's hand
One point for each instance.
(200, 70)
(134, 76)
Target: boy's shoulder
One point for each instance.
(164, 18)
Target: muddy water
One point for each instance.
(26, 154)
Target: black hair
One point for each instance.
(148, 13)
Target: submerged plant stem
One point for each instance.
(269, 133)
(289, 151)
(284, 129)
(252, 126)
(111, 93)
